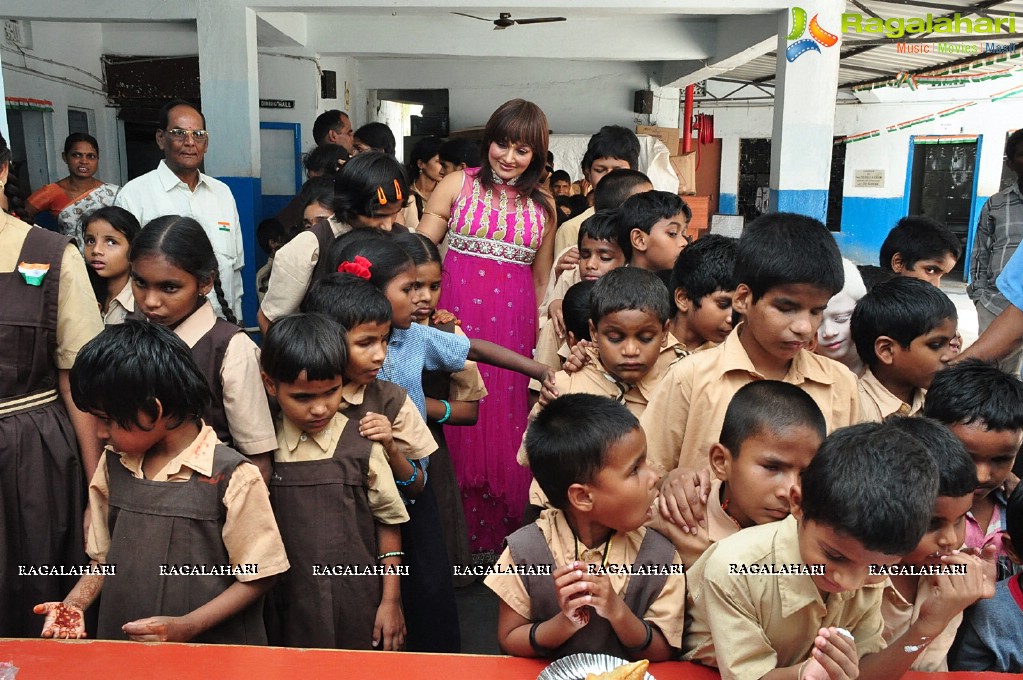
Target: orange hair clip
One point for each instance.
(397, 190)
(381, 196)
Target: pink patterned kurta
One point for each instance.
(493, 236)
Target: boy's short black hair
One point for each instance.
(873, 275)
(768, 406)
(973, 391)
(629, 288)
(612, 141)
(461, 150)
(784, 249)
(268, 230)
(704, 267)
(348, 300)
(875, 483)
(957, 474)
(616, 186)
(325, 159)
(600, 226)
(643, 211)
(560, 176)
(317, 190)
(903, 309)
(1011, 142)
(568, 441)
(128, 367)
(575, 308)
(313, 343)
(919, 238)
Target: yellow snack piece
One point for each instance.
(630, 671)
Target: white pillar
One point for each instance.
(4, 130)
(809, 38)
(728, 192)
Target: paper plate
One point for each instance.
(578, 666)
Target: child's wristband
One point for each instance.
(537, 647)
(646, 642)
(447, 412)
(393, 553)
(410, 480)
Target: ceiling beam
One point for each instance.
(739, 40)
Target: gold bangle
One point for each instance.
(427, 212)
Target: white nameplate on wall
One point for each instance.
(868, 179)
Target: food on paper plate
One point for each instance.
(630, 671)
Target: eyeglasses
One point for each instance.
(180, 134)
(79, 155)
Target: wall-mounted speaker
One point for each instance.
(644, 101)
(328, 84)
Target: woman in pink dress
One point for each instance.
(499, 256)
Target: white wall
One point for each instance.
(577, 96)
(73, 77)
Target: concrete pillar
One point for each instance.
(667, 109)
(728, 192)
(4, 130)
(229, 82)
(804, 111)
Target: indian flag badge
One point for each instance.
(33, 273)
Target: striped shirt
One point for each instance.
(999, 233)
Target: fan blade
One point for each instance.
(463, 14)
(540, 20)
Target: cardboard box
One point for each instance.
(667, 135)
(685, 168)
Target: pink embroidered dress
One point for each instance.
(493, 236)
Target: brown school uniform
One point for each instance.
(229, 360)
(328, 489)
(42, 329)
(464, 385)
(691, 547)
(208, 508)
(658, 598)
(746, 625)
(408, 429)
(295, 266)
(120, 307)
(686, 411)
(899, 615)
(877, 403)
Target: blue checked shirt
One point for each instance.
(412, 350)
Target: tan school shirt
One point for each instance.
(245, 402)
(691, 547)
(746, 625)
(250, 531)
(877, 403)
(78, 317)
(292, 271)
(666, 611)
(120, 307)
(593, 378)
(686, 411)
(556, 291)
(899, 615)
(296, 446)
(408, 429)
(567, 235)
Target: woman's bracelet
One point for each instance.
(410, 480)
(537, 647)
(447, 411)
(443, 217)
(646, 642)
(393, 553)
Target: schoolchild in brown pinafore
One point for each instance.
(209, 355)
(171, 523)
(528, 547)
(323, 513)
(41, 478)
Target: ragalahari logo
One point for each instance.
(818, 36)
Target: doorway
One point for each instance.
(754, 177)
(411, 115)
(942, 184)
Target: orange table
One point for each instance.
(74, 659)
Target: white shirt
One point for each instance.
(160, 192)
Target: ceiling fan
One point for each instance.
(505, 20)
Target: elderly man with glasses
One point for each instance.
(178, 187)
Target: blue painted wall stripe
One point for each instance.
(247, 191)
(812, 202)
(728, 204)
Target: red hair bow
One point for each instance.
(360, 267)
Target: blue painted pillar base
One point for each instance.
(728, 204)
(810, 202)
(248, 193)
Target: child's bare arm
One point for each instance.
(376, 427)
(462, 412)
(238, 596)
(491, 353)
(66, 619)
(389, 625)
(683, 498)
(630, 629)
(513, 630)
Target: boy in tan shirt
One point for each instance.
(903, 330)
(787, 599)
